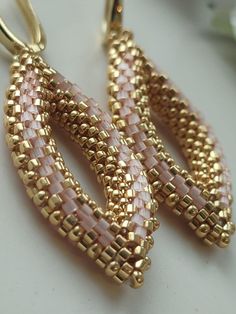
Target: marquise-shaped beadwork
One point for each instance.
(203, 198)
(119, 237)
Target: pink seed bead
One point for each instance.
(89, 223)
(55, 188)
(129, 73)
(121, 80)
(141, 231)
(56, 177)
(102, 226)
(133, 118)
(26, 116)
(106, 239)
(138, 219)
(29, 134)
(123, 66)
(145, 213)
(45, 171)
(121, 95)
(69, 206)
(87, 209)
(37, 152)
(68, 194)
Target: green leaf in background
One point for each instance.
(224, 20)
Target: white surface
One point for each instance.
(39, 272)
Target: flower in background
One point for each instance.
(224, 16)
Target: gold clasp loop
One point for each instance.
(12, 42)
(113, 17)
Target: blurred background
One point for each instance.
(193, 42)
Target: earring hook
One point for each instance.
(113, 17)
(12, 42)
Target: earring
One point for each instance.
(203, 198)
(117, 238)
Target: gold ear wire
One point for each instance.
(113, 17)
(12, 42)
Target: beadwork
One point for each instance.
(135, 86)
(117, 238)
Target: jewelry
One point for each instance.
(203, 198)
(118, 238)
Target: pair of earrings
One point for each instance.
(123, 149)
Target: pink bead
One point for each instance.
(182, 189)
(150, 151)
(123, 66)
(139, 147)
(32, 109)
(80, 97)
(133, 118)
(124, 149)
(113, 141)
(194, 192)
(56, 177)
(141, 232)
(45, 171)
(65, 85)
(136, 163)
(123, 157)
(37, 152)
(128, 102)
(115, 133)
(139, 220)
(89, 223)
(55, 188)
(142, 179)
(129, 73)
(137, 186)
(141, 136)
(106, 239)
(25, 100)
(121, 95)
(38, 142)
(30, 75)
(121, 80)
(145, 196)
(26, 116)
(68, 194)
(35, 125)
(86, 209)
(145, 213)
(165, 177)
(124, 111)
(29, 134)
(69, 206)
(105, 125)
(178, 180)
(102, 226)
(128, 57)
(106, 117)
(47, 160)
(138, 203)
(75, 90)
(33, 94)
(150, 162)
(93, 108)
(132, 129)
(128, 87)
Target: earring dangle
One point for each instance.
(203, 198)
(117, 238)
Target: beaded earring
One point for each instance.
(203, 197)
(118, 237)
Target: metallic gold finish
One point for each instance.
(12, 42)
